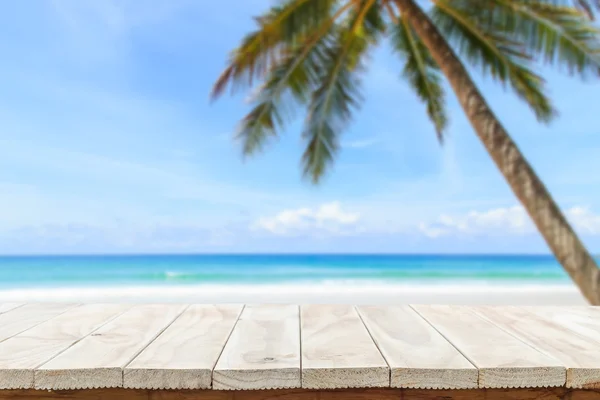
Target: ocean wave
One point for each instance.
(274, 269)
(321, 275)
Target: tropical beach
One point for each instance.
(441, 157)
(416, 221)
(301, 279)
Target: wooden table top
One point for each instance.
(173, 346)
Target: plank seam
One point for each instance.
(448, 340)
(77, 341)
(553, 323)
(212, 370)
(518, 337)
(12, 309)
(117, 369)
(41, 322)
(160, 331)
(357, 311)
(300, 347)
(473, 312)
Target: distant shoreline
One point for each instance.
(358, 293)
(267, 254)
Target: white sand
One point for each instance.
(346, 293)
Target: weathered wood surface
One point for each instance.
(263, 351)
(306, 350)
(419, 356)
(337, 350)
(8, 306)
(580, 354)
(585, 321)
(22, 318)
(502, 359)
(184, 355)
(98, 360)
(21, 354)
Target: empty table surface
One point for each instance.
(248, 347)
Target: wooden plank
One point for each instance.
(184, 355)
(20, 319)
(4, 307)
(98, 360)
(580, 355)
(21, 354)
(419, 356)
(584, 321)
(337, 350)
(503, 360)
(263, 351)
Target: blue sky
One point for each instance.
(109, 144)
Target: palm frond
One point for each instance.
(491, 49)
(561, 35)
(588, 7)
(336, 94)
(289, 81)
(282, 26)
(422, 73)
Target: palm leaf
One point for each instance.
(336, 94)
(589, 7)
(485, 46)
(552, 30)
(279, 28)
(559, 34)
(290, 79)
(422, 73)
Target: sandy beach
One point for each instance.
(358, 293)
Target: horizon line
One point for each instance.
(138, 254)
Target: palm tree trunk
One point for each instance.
(529, 189)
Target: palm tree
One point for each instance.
(312, 53)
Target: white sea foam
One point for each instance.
(351, 292)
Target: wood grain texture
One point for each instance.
(584, 321)
(98, 360)
(21, 354)
(419, 356)
(184, 355)
(579, 354)
(263, 351)
(4, 307)
(304, 394)
(22, 318)
(503, 360)
(337, 350)
(61, 346)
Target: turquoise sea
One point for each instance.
(29, 272)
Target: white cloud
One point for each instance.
(327, 218)
(505, 221)
(584, 220)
